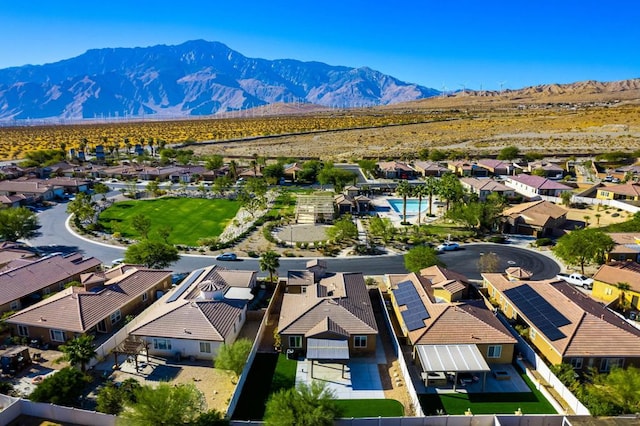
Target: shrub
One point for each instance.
(542, 242)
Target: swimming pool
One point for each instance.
(412, 206)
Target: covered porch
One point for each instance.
(462, 365)
(328, 350)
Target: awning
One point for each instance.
(318, 349)
(451, 358)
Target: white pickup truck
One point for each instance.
(576, 279)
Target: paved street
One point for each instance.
(54, 237)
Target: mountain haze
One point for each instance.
(194, 78)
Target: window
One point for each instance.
(23, 331)
(304, 289)
(46, 291)
(494, 351)
(116, 316)
(162, 344)
(15, 305)
(606, 364)
(532, 334)
(576, 363)
(295, 341)
(608, 291)
(58, 336)
(205, 347)
(145, 296)
(360, 341)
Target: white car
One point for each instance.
(448, 246)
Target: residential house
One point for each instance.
(99, 306)
(395, 170)
(447, 336)
(618, 281)
(11, 171)
(25, 280)
(627, 247)
(291, 171)
(430, 168)
(32, 191)
(332, 320)
(467, 168)
(158, 173)
(629, 191)
(534, 186)
(69, 184)
(496, 167)
(124, 171)
(538, 218)
(299, 281)
(9, 201)
(484, 187)
(565, 325)
(207, 310)
(10, 252)
(190, 173)
(352, 204)
(547, 169)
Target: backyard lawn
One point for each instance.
(189, 219)
(370, 408)
(487, 403)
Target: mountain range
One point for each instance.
(194, 78)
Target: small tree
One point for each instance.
(509, 153)
(421, 257)
(489, 262)
(142, 225)
(111, 398)
(582, 246)
(343, 229)
(78, 351)
(61, 388)
(566, 196)
(17, 223)
(382, 227)
(234, 356)
(312, 404)
(164, 404)
(152, 254)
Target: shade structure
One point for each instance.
(451, 358)
(327, 349)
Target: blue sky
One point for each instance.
(431, 42)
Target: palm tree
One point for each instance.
(79, 351)
(431, 186)
(404, 190)
(623, 303)
(420, 191)
(269, 262)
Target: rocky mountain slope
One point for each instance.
(194, 78)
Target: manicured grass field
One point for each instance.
(370, 408)
(285, 375)
(189, 218)
(487, 403)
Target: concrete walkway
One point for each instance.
(360, 378)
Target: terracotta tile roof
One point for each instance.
(629, 188)
(84, 309)
(519, 273)
(10, 254)
(485, 184)
(343, 298)
(593, 330)
(390, 166)
(194, 320)
(539, 182)
(430, 165)
(620, 272)
(493, 164)
(300, 278)
(32, 276)
(25, 187)
(223, 278)
(536, 212)
(455, 323)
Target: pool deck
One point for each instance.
(383, 208)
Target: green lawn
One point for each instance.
(487, 403)
(284, 377)
(189, 218)
(370, 408)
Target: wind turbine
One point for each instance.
(501, 84)
(444, 90)
(464, 88)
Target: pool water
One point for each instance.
(412, 206)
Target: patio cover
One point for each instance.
(327, 349)
(451, 358)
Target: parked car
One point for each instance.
(227, 256)
(116, 262)
(577, 279)
(448, 246)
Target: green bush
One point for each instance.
(542, 242)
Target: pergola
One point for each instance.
(327, 350)
(132, 345)
(452, 359)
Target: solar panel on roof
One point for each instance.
(538, 311)
(415, 314)
(185, 285)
